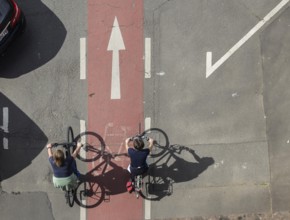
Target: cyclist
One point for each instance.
(65, 171)
(138, 155)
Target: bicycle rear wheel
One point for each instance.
(162, 142)
(70, 139)
(69, 195)
(89, 194)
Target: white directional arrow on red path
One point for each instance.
(116, 43)
(210, 68)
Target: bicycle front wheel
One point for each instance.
(94, 146)
(162, 142)
(70, 139)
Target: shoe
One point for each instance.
(129, 187)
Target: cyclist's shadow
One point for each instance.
(162, 176)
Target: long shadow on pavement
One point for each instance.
(104, 178)
(21, 140)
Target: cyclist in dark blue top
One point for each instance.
(63, 167)
(138, 156)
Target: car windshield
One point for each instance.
(4, 10)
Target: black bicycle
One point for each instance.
(68, 148)
(138, 179)
(158, 149)
(145, 188)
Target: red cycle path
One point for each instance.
(115, 119)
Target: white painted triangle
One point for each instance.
(116, 40)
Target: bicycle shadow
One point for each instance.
(182, 170)
(175, 164)
(104, 178)
(162, 177)
(102, 181)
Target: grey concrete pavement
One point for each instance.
(236, 120)
(276, 57)
(40, 79)
(23, 206)
(238, 116)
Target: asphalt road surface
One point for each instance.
(211, 76)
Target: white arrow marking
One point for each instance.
(4, 127)
(116, 43)
(211, 68)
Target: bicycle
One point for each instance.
(69, 147)
(138, 179)
(161, 144)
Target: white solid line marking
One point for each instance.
(147, 123)
(147, 58)
(5, 126)
(83, 140)
(147, 205)
(211, 68)
(5, 143)
(83, 58)
(83, 211)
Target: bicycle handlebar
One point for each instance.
(72, 144)
(138, 136)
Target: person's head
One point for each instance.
(58, 157)
(138, 143)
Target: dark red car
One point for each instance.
(12, 22)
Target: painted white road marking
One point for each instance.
(83, 211)
(147, 204)
(147, 212)
(83, 138)
(83, 58)
(4, 127)
(147, 123)
(211, 68)
(147, 58)
(116, 43)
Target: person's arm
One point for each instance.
(151, 143)
(127, 143)
(49, 151)
(77, 150)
